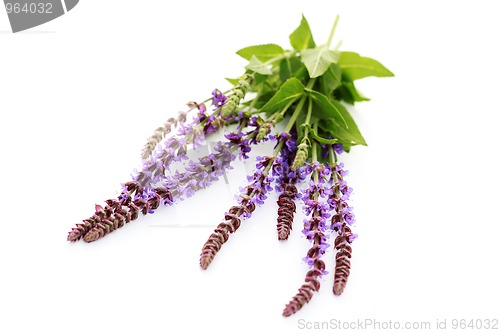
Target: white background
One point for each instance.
(79, 96)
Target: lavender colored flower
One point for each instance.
(218, 98)
(338, 197)
(201, 174)
(341, 222)
(134, 198)
(160, 133)
(240, 139)
(261, 182)
(315, 230)
(153, 169)
(252, 195)
(261, 131)
(174, 149)
(338, 148)
(116, 213)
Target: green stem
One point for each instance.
(265, 171)
(278, 58)
(277, 149)
(333, 163)
(314, 155)
(310, 84)
(314, 159)
(337, 47)
(295, 113)
(282, 112)
(297, 110)
(254, 101)
(330, 37)
(308, 119)
(333, 156)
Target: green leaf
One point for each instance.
(348, 138)
(273, 81)
(325, 109)
(335, 119)
(342, 94)
(233, 81)
(262, 52)
(289, 91)
(315, 136)
(348, 93)
(302, 37)
(331, 79)
(353, 130)
(322, 140)
(357, 67)
(289, 67)
(356, 96)
(260, 79)
(301, 74)
(318, 60)
(258, 66)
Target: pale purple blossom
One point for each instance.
(315, 227)
(338, 201)
(218, 98)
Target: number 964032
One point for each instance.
(29, 8)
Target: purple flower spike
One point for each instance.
(285, 185)
(341, 222)
(160, 133)
(315, 230)
(135, 198)
(158, 156)
(250, 196)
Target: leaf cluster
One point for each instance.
(324, 77)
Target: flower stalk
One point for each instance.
(315, 230)
(341, 221)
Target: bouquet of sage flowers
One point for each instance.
(307, 88)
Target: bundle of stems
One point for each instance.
(307, 87)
